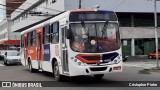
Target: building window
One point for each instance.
(144, 20)
(46, 34)
(55, 33)
(124, 19)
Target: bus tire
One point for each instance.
(5, 63)
(56, 73)
(98, 76)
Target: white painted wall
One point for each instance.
(28, 21)
(115, 5)
(63, 5)
(51, 9)
(7, 31)
(25, 5)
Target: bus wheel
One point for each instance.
(98, 76)
(56, 73)
(5, 63)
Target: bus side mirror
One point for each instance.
(68, 34)
(5, 54)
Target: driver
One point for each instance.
(77, 44)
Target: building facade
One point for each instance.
(136, 19)
(8, 40)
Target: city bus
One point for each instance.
(74, 43)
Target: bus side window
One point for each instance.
(55, 33)
(46, 34)
(29, 39)
(33, 38)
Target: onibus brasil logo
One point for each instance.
(21, 84)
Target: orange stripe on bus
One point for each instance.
(82, 58)
(83, 10)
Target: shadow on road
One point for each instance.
(144, 71)
(77, 80)
(13, 65)
(148, 71)
(88, 81)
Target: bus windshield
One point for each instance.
(94, 37)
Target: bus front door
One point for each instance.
(64, 53)
(39, 50)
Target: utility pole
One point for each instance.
(156, 36)
(80, 2)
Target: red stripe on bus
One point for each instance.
(87, 58)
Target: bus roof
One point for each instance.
(89, 10)
(62, 14)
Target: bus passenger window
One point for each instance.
(46, 34)
(29, 39)
(54, 33)
(33, 38)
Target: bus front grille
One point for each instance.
(98, 69)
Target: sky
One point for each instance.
(1, 11)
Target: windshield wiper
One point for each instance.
(104, 28)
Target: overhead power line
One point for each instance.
(51, 9)
(33, 13)
(31, 3)
(30, 12)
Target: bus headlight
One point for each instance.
(75, 60)
(116, 60)
(79, 63)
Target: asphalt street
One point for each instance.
(132, 71)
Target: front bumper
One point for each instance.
(13, 61)
(92, 70)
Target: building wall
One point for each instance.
(138, 40)
(24, 6)
(62, 5)
(5, 31)
(138, 32)
(115, 5)
(46, 7)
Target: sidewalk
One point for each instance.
(143, 58)
(141, 61)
